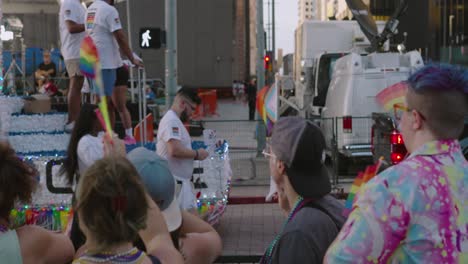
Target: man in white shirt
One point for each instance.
(71, 24)
(104, 27)
(175, 145)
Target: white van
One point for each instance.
(350, 99)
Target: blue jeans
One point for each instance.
(108, 81)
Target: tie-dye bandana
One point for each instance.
(414, 212)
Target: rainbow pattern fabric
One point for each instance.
(90, 66)
(361, 179)
(89, 58)
(267, 106)
(391, 95)
(413, 212)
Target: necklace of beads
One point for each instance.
(3, 228)
(300, 202)
(130, 256)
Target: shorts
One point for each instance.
(73, 67)
(108, 81)
(122, 76)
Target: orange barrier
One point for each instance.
(149, 129)
(209, 104)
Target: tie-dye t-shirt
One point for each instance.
(413, 212)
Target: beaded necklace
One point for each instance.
(300, 202)
(3, 228)
(130, 256)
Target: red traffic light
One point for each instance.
(267, 62)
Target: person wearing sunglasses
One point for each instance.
(175, 145)
(417, 211)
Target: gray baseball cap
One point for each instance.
(300, 144)
(159, 183)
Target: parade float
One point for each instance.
(40, 140)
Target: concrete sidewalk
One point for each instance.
(247, 230)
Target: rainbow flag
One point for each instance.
(392, 95)
(267, 106)
(362, 178)
(90, 66)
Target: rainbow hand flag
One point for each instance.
(267, 106)
(362, 178)
(91, 68)
(391, 95)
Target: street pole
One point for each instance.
(130, 44)
(273, 39)
(1, 49)
(260, 46)
(261, 129)
(171, 51)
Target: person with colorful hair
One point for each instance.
(417, 211)
(29, 243)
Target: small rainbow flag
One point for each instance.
(392, 95)
(362, 178)
(267, 106)
(91, 68)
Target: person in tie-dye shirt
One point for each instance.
(417, 211)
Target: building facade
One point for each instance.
(308, 10)
(206, 40)
(436, 28)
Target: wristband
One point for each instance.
(196, 155)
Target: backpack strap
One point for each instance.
(313, 204)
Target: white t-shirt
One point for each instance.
(102, 20)
(171, 127)
(71, 10)
(90, 149)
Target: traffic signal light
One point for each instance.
(267, 62)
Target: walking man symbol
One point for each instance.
(146, 37)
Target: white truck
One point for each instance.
(317, 46)
(340, 66)
(346, 118)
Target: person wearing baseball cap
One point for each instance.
(197, 241)
(296, 156)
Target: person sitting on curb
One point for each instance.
(296, 157)
(197, 241)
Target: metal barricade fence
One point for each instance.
(245, 149)
(353, 130)
(345, 136)
(19, 85)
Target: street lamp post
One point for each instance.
(171, 51)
